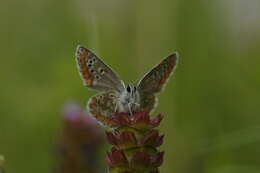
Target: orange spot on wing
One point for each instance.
(93, 105)
(89, 82)
(86, 74)
(82, 59)
(102, 119)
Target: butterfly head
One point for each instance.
(131, 89)
(131, 94)
(129, 99)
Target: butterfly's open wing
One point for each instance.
(102, 106)
(95, 73)
(155, 80)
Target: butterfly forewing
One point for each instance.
(154, 80)
(95, 73)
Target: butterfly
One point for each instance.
(115, 95)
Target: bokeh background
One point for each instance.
(211, 104)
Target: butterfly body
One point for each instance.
(116, 97)
(129, 99)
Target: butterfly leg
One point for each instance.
(129, 107)
(137, 104)
(116, 107)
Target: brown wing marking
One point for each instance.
(82, 56)
(171, 62)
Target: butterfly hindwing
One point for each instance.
(148, 102)
(102, 106)
(95, 73)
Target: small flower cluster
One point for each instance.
(134, 144)
(80, 142)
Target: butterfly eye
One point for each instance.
(134, 88)
(128, 89)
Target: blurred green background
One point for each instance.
(211, 104)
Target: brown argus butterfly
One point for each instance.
(116, 97)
